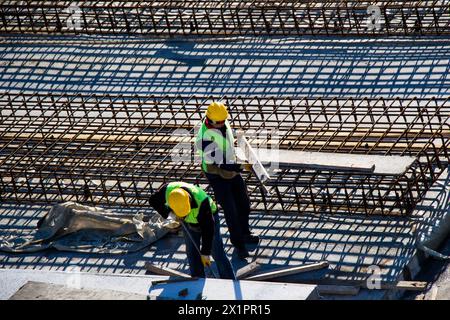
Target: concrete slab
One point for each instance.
(45, 291)
(12, 280)
(383, 165)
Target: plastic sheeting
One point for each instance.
(74, 227)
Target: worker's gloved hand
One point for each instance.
(247, 166)
(206, 260)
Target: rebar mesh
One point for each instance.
(116, 149)
(227, 18)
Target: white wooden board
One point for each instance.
(221, 289)
(384, 165)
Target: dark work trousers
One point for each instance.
(232, 196)
(217, 251)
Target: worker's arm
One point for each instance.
(206, 221)
(158, 202)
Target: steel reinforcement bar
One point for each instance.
(118, 149)
(227, 18)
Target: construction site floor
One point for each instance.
(352, 245)
(304, 66)
(264, 66)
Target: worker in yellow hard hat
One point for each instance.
(193, 207)
(215, 144)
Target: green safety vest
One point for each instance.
(198, 194)
(225, 144)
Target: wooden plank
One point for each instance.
(396, 165)
(224, 289)
(164, 271)
(288, 271)
(338, 290)
(248, 270)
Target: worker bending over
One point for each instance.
(215, 144)
(198, 212)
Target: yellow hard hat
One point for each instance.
(217, 112)
(179, 202)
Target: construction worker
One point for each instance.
(198, 212)
(215, 144)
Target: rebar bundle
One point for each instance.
(117, 149)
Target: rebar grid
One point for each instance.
(116, 149)
(228, 18)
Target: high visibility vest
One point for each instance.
(197, 193)
(225, 144)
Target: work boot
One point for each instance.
(242, 252)
(251, 239)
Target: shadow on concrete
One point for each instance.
(351, 244)
(315, 67)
